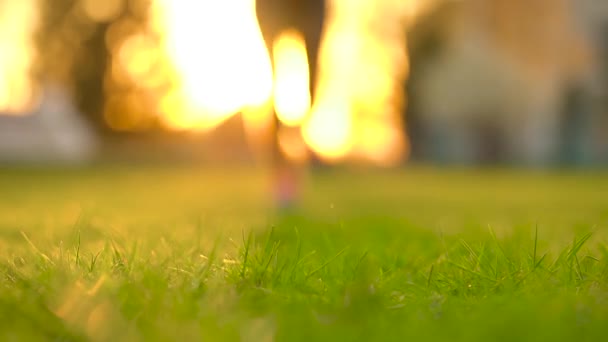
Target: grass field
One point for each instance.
(187, 253)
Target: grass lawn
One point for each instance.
(187, 253)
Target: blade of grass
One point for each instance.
(326, 263)
(35, 249)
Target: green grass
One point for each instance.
(188, 253)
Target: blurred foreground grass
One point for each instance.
(167, 253)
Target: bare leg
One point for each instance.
(276, 16)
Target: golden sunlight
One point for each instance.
(17, 25)
(220, 60)
(329, 131)
(363, 66)
(219, 66)
(291, 79)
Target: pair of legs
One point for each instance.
(305, 16)
(276, 17)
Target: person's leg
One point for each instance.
(272, 22)
(311, 23)
(306, 16)
(275, 17)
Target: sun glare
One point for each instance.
(291, 78)
(221, 68)
(363, 65)
(194, 64)
(220, 61)
(17, 25)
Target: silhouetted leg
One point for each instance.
(275, 17)
(311, 25)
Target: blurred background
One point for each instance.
(520, 82)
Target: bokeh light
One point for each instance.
(291, 78)
(221, 65)
(18, 23)
(191, 65)
(363, 65)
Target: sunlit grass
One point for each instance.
(153, 253)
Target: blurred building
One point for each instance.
(521, 81)
(55, 132)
